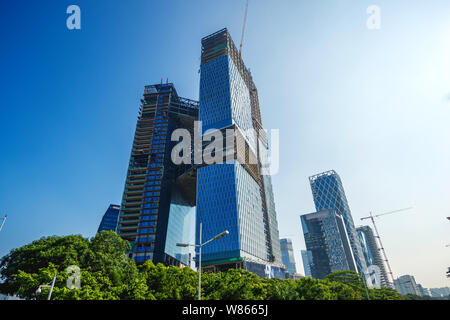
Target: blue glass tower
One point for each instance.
(327, 244)
(328, 193)
(287, 255)
(307, 261)
(159, 196)
(235, 195)
(110, 218)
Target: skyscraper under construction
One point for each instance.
(159, 196)
(371, 252)
(236, 195)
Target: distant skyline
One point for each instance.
(371, 104)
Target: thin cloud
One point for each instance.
(447, 97)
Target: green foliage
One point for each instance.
(235, 284)
(106, 271)
(278, 289)
(108, 274)
(384, 293)
(169, 283)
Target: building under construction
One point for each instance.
(159, 196)
(237, 195)
(372, 253)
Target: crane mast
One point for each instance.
(243, 28)
(3, 222)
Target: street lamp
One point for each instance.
(39, 291)
(200, 245)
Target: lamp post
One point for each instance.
(200, 245)
(38, 291)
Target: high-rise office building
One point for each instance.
(159, 196)
(307, 259)
(424, 292)
(327, 244)
(287, 255)
(328, 193)
(440, 292)
(109, 220)
(371, 253)
(407, 285)
(235, 195)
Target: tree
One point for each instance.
(349, 277)
(234, 284)
(106, 271)
(278, 289)
(108, 274)
(384, 293)
(169, 283)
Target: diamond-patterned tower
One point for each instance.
(328, 193)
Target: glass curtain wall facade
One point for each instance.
(110, 218)
(306, 258)
(327, 244)
(287, 255)
(372, 252)
(328, 193)
(159, 197)
(234, 196)
(407, 285)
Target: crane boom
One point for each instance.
(385, 213)
(243, 28)
(390, 212)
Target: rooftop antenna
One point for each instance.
(243, 28)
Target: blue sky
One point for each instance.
(372, 104)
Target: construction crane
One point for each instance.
(371, 217)
(3, 222)
(243, 28)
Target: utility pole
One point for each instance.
(371, 217)
(3, 222)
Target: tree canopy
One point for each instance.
(106, 273)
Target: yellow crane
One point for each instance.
(377, 235)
